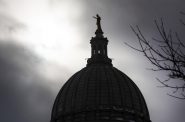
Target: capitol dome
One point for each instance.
(99, 92)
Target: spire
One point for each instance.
(99, 47)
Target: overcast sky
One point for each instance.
(44, 42)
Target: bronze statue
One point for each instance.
(99, 31)
(98, 18)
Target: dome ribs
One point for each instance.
(141, 109)
(104, 92)
(80, 97)
(121, 90)
(130, 91)
(65, 93)
(116, 90)
(91, 78)
(75, 97)
(143, 103)
(109, 84)
(99, 92)
(60, 102)
(70, 97)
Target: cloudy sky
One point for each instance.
(44, 42)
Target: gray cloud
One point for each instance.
(25, 95)
(117, 16)
(9, 25)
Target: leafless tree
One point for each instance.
(166, 54)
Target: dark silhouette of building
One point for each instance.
(99, 92)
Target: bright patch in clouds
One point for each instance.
(51, 27)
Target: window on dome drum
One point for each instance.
(98, 51)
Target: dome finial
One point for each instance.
(99, 47)
(99, 31)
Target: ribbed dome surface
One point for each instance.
(100, 92)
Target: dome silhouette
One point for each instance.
(99, 92)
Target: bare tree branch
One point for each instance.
(167, 54)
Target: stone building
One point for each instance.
(99, 92)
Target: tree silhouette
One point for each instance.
(166, 54)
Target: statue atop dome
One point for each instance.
(98, 23)
(98, 18)
(99, 44)
(100, 92)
